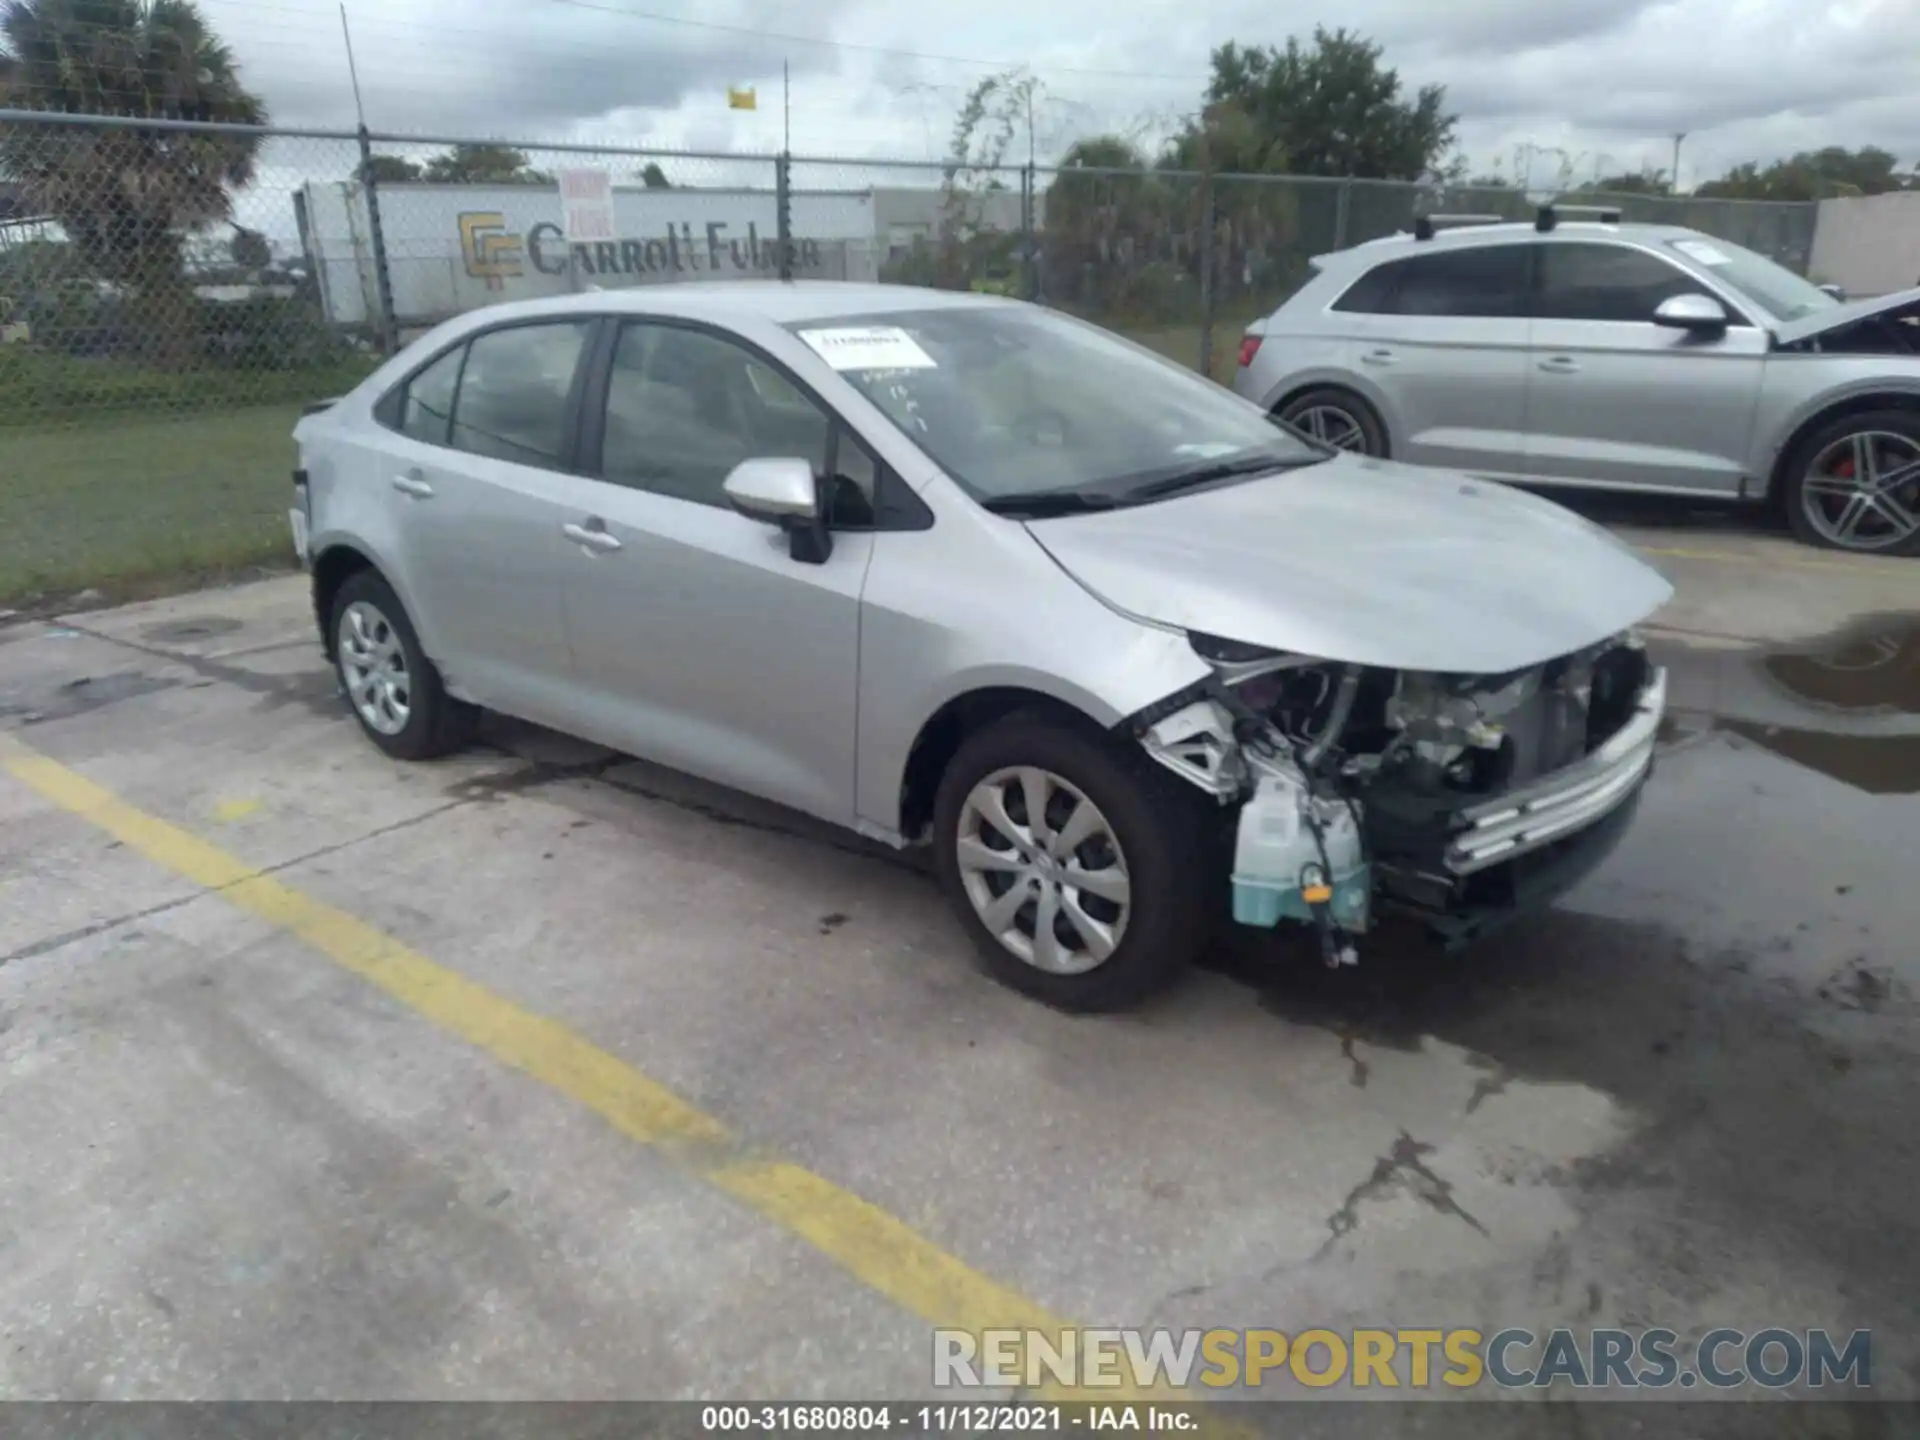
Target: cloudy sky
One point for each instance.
(1606, 82)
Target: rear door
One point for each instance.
(1442, 339)
(1618, 401)
(486, 434)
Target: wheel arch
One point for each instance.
(332, 567)
(941, 736)
(1837, 408)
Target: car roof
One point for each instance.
(1466, 237)
(782, 302)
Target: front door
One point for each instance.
(1618, 401)
(697, 639)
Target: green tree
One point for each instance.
(1632, 182)
(654, 178)
(393, 170)
(484, 165)
(995, 110)
(1814, 175)
(127, 197)
(1330, 108)
(249, 249)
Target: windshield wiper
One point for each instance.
(1042, 503)
(1209, 474)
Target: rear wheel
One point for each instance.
(1339, 418)
(1854, 484)
(1080, 872)
(394, 689)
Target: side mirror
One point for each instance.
(1838, 292)
(1691, 312)
(783, 492)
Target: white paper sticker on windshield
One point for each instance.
(1701, 251)
(1208, 449)
(868, 347)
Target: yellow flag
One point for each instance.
(742, 99)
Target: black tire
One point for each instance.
(1795, 473)
(1160, 824)
(435, 724)
(1331, 397)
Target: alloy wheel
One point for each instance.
(373, 663)
(1043, 870)
(1862, 492)
(1333, 426)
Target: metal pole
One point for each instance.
(1342, 207)
(1207, 227)
(783, 214)
(1028, 249)
(382, 279)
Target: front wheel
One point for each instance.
(1081, 873)
(1854, 484)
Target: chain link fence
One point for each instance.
(173, 294)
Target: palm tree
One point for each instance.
(127, 197)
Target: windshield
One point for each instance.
(1774, 288)
(1016, 402)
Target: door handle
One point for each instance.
(1377, 357)
(412, 484)
(593, 536)
(1560, 365)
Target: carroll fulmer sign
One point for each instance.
(452, 248)
(494, 253)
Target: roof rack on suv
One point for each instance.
(1426, 226)
(1550, 215)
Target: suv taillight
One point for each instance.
(1249, 347)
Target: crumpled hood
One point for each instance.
(1847, 313)
(1369, 562)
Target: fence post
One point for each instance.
(1342, 204)
(1028, 248)
(382, 279)
(1208, 225)
(783, 210)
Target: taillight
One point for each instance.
(1249, 347)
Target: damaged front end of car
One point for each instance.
(1460, 799)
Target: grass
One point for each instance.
(141, 504)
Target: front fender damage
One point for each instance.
(1354, 790)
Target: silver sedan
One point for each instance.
(948, 570)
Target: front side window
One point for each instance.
(1580, 281)
(514, 392)
(1774, 288)
(1016, 402)
(1481, 282)
(684, 407)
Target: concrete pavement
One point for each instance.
(280, 1119)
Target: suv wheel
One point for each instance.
(1855, 484)
(1080, 872)
(1338, 418)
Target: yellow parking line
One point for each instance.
(876, 1248)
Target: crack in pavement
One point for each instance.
(1404, 1165)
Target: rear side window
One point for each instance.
(515, 392)
(1486, 282)
(1607, 282)
(426, 407)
